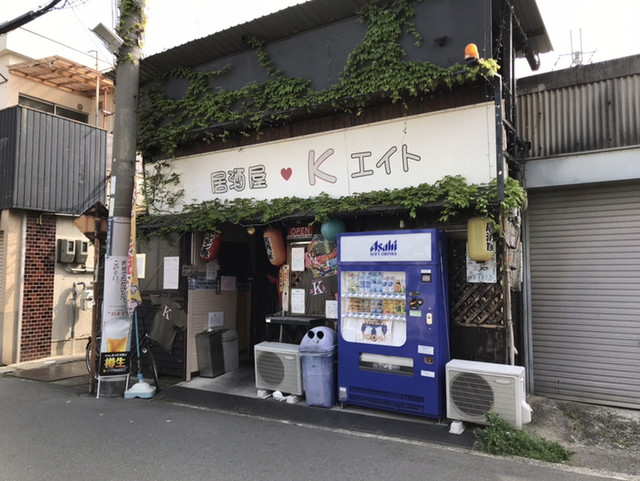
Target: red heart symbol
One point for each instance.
(286, 173)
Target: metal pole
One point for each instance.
(497, 97)
(97, 87)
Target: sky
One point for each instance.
(601, 29)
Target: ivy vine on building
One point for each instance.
(375, 68)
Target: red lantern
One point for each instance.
(210, 246)
(274, 244)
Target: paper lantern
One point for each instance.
(274, 244)
(331, 228)
(210, 246)
(480, 239)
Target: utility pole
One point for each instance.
(116, 323)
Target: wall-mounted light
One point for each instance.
(251, 230)
(401, 225)
(109, 38)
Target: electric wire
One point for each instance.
(109, 64)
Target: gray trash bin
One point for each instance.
(217, 352)
(210, 355)
(230, 349)
(318, 357)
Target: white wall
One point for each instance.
(11, 228)
(68, 318)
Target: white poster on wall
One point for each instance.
(482, 272)
(171, 272)
(297, 301)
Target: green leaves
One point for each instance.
(503, 439)
(376, 67)
(451, 195)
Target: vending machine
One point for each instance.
(393, 341)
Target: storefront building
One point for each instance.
(271, 137)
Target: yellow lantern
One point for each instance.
(480, 239)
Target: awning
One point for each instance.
(65, 75)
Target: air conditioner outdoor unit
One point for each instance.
(278, 367)
(475, 388)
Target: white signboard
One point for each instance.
(396, 247)
(482, 272)
(391, 154)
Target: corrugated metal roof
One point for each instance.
(298, 18)
(581, 109)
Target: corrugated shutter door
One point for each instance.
(585, 293)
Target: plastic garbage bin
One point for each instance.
(318, 357)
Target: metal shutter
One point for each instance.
(585, 293)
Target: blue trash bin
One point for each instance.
(318, 358)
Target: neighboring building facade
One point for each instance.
(583, 232)
(53, 159)
(451, 130)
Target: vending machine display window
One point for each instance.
(373, 307)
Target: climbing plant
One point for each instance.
(377, 67)
(452, 192)
(131, 25)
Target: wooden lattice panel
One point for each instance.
(472, 304)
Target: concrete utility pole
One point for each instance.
(114, 311)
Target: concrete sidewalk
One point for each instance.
(603, 439)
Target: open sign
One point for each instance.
(300, 232)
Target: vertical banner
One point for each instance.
(116, 323)
(134, 299)
(121, 294)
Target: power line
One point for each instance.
(109, 64)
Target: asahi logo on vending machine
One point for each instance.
(390, 248)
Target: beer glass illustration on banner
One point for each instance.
(116, 332)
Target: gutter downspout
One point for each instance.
(21, 273)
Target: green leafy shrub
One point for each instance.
(501, 438)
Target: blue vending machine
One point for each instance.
(393, 307)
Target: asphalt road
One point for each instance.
(53, 432)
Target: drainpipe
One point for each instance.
(500, 175)
(497, 98)
(21, 269)
(75, 305)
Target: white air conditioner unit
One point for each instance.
(475, 388)
(278, 367)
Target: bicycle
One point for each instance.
(145, 350)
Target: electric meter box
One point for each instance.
(66, 250)
(82, 251)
